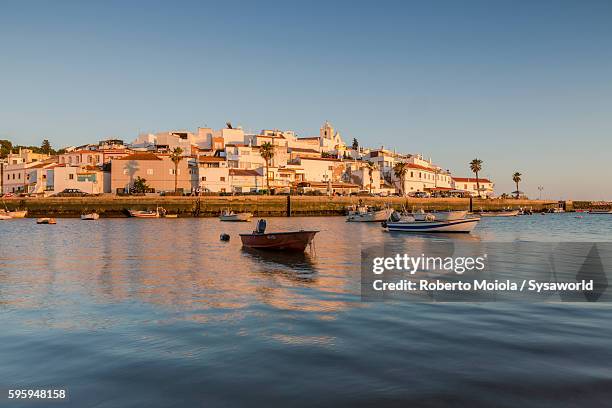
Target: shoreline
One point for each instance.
(211, 206)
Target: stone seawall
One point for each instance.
(116, 206)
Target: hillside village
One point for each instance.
(232, 161)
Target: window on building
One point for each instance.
(71, 177)
(150, 172)
(203, 178)
(223, 190)
(125, 172)
(171, 172)
(19, 176)
(221, 178)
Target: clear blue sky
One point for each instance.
(524, 85)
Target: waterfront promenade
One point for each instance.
(116, 206)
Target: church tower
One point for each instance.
(327, 131)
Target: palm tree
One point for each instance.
(266, 150)
(476, 166)
(400, 169)
(371, 167)
(176, 157)
(516, 177)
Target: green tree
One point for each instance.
(45, 147)
(355, 144)
(516, 177)
(140, 185)
(370, 167)
(5, 147)
(176, 156)
(266, 150)
(476, 167)
(400, 169)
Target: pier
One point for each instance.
(280, 205)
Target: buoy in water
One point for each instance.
(224, 237)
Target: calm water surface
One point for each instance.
(157, 313)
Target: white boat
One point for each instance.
(465, 225)
(3, 216)
(145, 213)
(46, 220)
(17, 214)
(363, 213)
(228, 215)
(600, 212)
(506, 213)
(90, 217)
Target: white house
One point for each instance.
(469, 185)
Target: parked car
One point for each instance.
(420, 194)
(71, 192)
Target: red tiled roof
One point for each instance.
(140, 156)
(205, 159)
(319, 158)
(418, 166)
(299, 149)
(471, 180)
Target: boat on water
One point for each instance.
(556, 210)
(145, 213)
(46, 220)
(92, 216)
(600, 212)
(293, 241)
(4, 216)
(364, 213)
(396, 223)
(505, 213)
(228, 215)
(17, 214)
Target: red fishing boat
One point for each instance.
(280, 241)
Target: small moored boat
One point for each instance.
(145, 213)
(600, 212)
(364, 213)
(4, 216)
(228, 215)
(17, 214)
(505, 213)
(90, 216)
(46, 220)
(409, 224)
(278, 241)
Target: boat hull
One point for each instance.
(609, 212)
(144, 214)
(240, 217)
(46, 220)
(461, 226)
(18, 214)
(370, 216)
(90, 217)
(5, 217)
(285, 241)
(513, 213)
